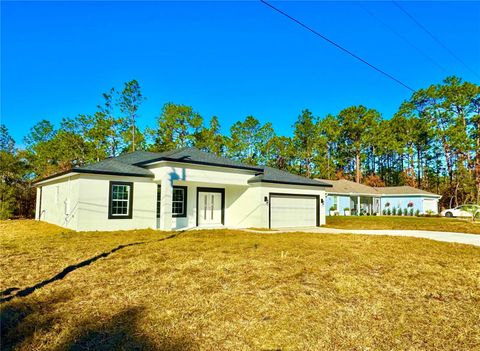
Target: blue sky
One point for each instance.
(229, 59)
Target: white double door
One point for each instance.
(209, 208)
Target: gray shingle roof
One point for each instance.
(135, 164)
(194, 155)
(273, 175)
(114, 166)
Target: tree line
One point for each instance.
(432, 142)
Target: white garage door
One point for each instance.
(430, 205)
(293, 211)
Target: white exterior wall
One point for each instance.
(178, 172)
(93, 203)
(242, 206)
(58, 203)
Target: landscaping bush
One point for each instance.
(411, 211)
(417, 213)
(333, 208)
(405, 212)
(389, 212)
(394, 211)
(384, 212)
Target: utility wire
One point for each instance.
(405, 39)
(433, 37)
(337, 45)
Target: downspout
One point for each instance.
(40, 205)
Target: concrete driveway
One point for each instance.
(461, 238)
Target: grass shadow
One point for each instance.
(23, 322)
(16, 292)
(121, 332)
(20, 320)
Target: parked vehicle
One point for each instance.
(461, 211)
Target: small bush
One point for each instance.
(389, 212)
(417, 213)
(394, 211)
(405, 212)
(333, 208)
(384, 212)
(411, 211)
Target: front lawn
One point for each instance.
(233, 290)
(407, 223)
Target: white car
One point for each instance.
(461, 211)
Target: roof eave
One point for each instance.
(287, 182)
(75, 171)
(169, 159)
(128, 174)
(56, 175)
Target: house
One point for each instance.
(178, 189)
(364, 199)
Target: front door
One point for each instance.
(209, 208)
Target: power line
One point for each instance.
(337, 45)
(405, 39)
(434, 37)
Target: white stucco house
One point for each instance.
(178, 189)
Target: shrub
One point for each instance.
(411, 211)
(389, 212)
(405, 211)
(346, 209)
(384, 212)
(417, 213)
(333, 208)
(394, 211)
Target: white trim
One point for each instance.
(383, 194)
(423, 195)
(225, 169)
(352, 194)
(53, 179)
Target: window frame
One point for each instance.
(184, 201)
(129, 214)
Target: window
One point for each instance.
(121, 200)
(179, 201)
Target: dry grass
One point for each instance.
(231, 290)
(412, 223)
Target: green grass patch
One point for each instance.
(233, 290)
(406, 223)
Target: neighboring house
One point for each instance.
(179, 189)
(360, 198)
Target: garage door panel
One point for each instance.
(293, 211)
(430, 205)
